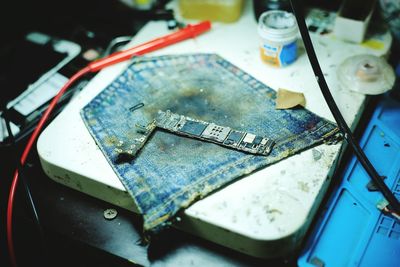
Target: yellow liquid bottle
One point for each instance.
(216, 10)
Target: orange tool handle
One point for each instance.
(189, 31)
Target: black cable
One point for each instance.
(348, 136)
(28, 193)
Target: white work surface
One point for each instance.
(264, 214)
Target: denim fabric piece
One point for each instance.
(171, 171)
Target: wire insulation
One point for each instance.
(344, 128)
(25, 154)
(28, 193)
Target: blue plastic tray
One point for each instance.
(352, 231)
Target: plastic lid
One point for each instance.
(366, 74)
(277, 25)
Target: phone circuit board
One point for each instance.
(214, 133)
(197, 129)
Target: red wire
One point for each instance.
(188, 32)
(25, 154)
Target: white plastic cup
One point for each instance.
(278, 33)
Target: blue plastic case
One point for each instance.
(352, 231)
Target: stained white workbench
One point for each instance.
(266, 213)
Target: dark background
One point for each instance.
(72, 229)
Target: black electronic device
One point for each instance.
(30, 76)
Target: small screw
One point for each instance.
(110, 214)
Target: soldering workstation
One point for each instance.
(200, 133)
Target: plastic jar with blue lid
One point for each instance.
(278, 33)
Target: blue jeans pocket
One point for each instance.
(171, 171)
